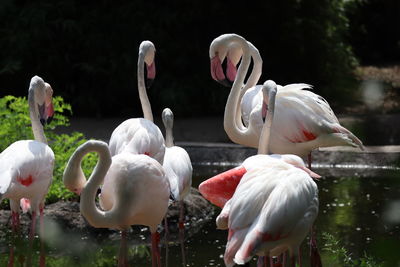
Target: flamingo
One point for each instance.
(269, 202)
(141, 135)
(304, 122)
(26, 166)
(135, 191)
(179, 170)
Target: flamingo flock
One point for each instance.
(268, 203)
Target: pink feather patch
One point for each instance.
(25, 204)
(220, 188)
(25, 181)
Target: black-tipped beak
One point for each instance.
(43, 122)
(225, 82)
(148, 83)
(49, 119)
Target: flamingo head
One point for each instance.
(148, 50)
(43, 99)
(167, 118)
(224, 59)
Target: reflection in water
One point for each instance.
(362, 213)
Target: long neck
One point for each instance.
(256, 70)
(169, 139)
(263, 147)
(233, 126)
(144, 99)
(37, 127)
(88, 207)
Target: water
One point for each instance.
(359, 207)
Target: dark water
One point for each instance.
(361, 211)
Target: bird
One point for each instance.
(179, 170)
(129, 182)
(304, 120)
(26, 166)
(141, 135)
(274, 201)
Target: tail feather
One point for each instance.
(234, 243)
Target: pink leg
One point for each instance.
(42, 259)
(309, 160)
(31, 237)
(299, 258)
(122, 257)
(292, 261)
(155, 252)
(166, 240)
(314, 253)
(14, 227)
(182, 232)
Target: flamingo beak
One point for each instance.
(150, 74)
(311, 173)
(49, 112)
(220, 188)
(227, 77)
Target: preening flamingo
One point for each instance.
(304, 120)
(135, 191)
(141, 135)
(269, 202)
(179, 170)
(26, 166)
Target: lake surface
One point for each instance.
(360, 208)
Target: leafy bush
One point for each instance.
(339, 256)
(16, 125)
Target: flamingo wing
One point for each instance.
(138, 136)
(179, 170)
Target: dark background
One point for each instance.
(87, 50)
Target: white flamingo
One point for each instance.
(273, 206)
(179, 170)
(141, 135)
(26, 166)
(304, 120)
(135, 191)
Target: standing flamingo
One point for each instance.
(179, 170)
(141, 135)
(135, 191)
(274, 204)
(26, 166)
(304, 120)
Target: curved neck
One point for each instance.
(37, 127)
(256, 70)
(233, 126)
(88, 207)
(263, 146)
(144, 99)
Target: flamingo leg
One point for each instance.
(31, 238)
(15, 228)
(299, 258)
(309, 160)
(42, 259)
(166, 240)
(123, 250)
(155, 252)
(292, 261)
(182, 232)
(314, 253)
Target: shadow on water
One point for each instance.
(359, 206)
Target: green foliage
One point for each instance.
(339, 256)
(16, 125)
